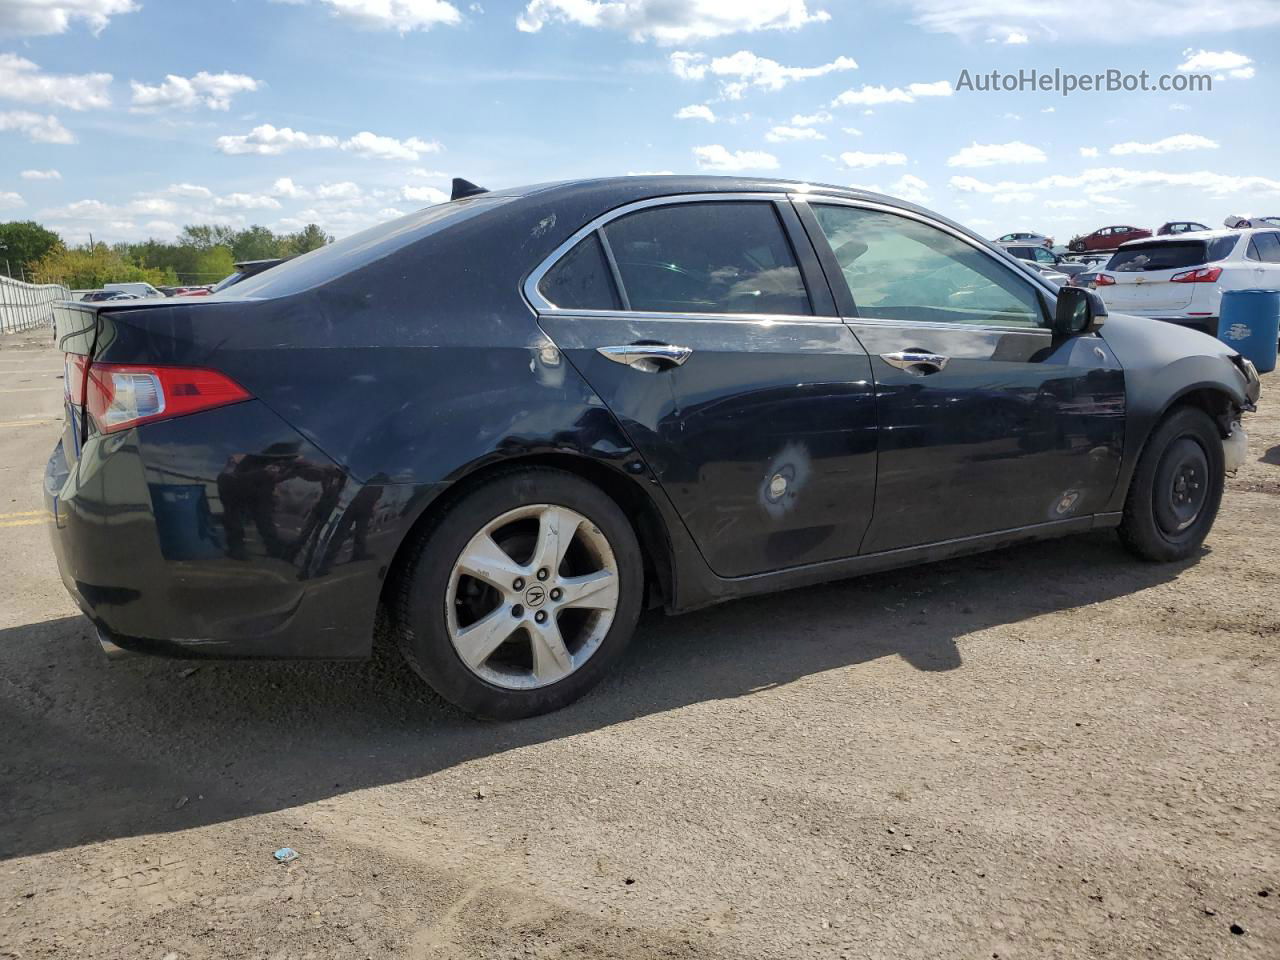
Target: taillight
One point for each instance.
(119, 396)
(1104, 280)
(1203, 275)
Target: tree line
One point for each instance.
(203, 253)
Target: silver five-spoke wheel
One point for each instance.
(532, 596)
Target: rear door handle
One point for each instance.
(916, 361)
(647, 357)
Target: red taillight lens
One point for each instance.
(1203, 275)
(119, 396)
(1104, 280)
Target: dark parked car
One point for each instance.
(1180, 226)
(511, 421)
(1107, 238)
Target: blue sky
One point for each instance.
(130, 118)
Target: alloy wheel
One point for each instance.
(532, 596)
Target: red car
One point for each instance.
(1108, 238)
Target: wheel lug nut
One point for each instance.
(541, 616)
(519, 584)
(517, 611)
(556, 594)
(542, 574)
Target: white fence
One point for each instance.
(25, 306)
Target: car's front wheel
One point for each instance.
(521, 595)
(1176, 489)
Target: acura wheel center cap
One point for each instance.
(534, 596)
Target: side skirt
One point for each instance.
(719, 589)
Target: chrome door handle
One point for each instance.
(647, 357)
(915, 361)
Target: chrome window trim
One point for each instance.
(942, 325)
(544, 307)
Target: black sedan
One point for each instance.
(511, 421)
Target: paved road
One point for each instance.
(1054, 751)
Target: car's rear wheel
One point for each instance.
(1176, 489)
(521, 595)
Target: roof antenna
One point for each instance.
(465, 188)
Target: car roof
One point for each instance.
(1198, 235)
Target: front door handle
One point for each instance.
(919, 362)
(647, 357)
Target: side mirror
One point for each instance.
(1079, 311)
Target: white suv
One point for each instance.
(1181, 278)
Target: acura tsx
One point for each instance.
(508, 422)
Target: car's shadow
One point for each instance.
(96, 749)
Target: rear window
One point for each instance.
(1143, 257)
(361, 249)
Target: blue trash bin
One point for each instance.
(1249, 321)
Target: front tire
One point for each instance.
(521, 595)
(1176, 489)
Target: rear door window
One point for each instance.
(1143, 258)
(1268, 247)
(581, 279)
(707, 257)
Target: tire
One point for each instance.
(1176, 490)
(441, 607)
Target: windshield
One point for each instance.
(1144, 257)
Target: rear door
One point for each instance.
(706, 326)
(986, 424)
(1264, 257)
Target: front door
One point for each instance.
(693, 321)
(986, 424)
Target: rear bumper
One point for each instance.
(249, 544)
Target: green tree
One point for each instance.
(212, 265)
(23, 242)
(309, 238)
(257, 243)
(206, 236)
(86, 268)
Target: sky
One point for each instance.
(127, 119)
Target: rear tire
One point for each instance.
(521, 595)
(1177, 488)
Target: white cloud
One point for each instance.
(1232, 64)
(1016, 37)
(1176, 144)
(696, 111)
(857, 160)
(852, 131)
(1077, 204)
(1062, 19)
(190, 190)
(427, 195)
(366, 144)
(266, 140)
(212, 90)
(671, 22)
(43, 17)
(36, 127)
(716, 157)
(784, 134)
(1111, 180)
(285, 187)
(40, 175)
(20, 79)
(10, 199)
(811, 119)
(1049, 110)
(400, 15)
(910, 188)
(247, 201)
(426, 174)
(992, 154)
(344, 190)
(1088, 151)
(744, 68)
(871, 96)
(650, 173)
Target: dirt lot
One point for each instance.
(1054, 751)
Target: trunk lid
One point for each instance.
(1143, 272)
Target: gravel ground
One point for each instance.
(1054, 751)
